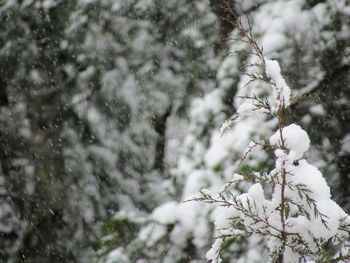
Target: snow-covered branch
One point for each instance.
(290, 205)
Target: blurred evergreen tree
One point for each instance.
(310, 41)
(87, 90)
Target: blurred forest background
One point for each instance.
(110, 113)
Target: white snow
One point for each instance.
(223, 216)
(117, 254)
(280, 89)
(226, 125)
(345, 148)
(165, 214)
(295, 139)
(235, 139)
(333, 215)
(318, 110)
(256, 192)
(213, 253)
(310, 176)
(201, 107)
(187, 214)
(246, 108)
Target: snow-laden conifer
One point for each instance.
(290, 205)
